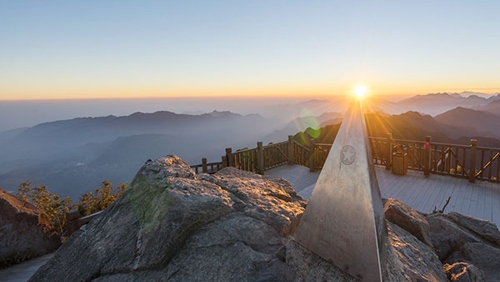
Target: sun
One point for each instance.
(360, 91)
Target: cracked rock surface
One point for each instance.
(174, 225)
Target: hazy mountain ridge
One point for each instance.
(437, 103)
(73, 156)
(62, 138)
(99, 129)
(492, 107)
(406, 126)
(415, 126)
(484, 123)
(409, 125)
(431, 104)
(89, 150)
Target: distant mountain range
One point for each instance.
(458, 118)
(74, 156)
(479, 122)
(409, 126)
(415, 126)
(492, 107)
(434, 104)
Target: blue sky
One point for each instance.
(111, 49)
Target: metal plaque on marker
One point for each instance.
(344, 220)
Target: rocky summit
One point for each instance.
(174, 225)
(25, 231)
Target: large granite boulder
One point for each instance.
(486, 230)
(310, 267)
(467, 244)
(415, 261)
(407, 218)
(448, 237)
(419, 261)
(25, 231)
(481, 255)
(172, 225)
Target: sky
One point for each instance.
(129, 49)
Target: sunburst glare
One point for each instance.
(360, 91)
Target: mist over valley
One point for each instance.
(78, 144)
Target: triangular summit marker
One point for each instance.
(344, 220)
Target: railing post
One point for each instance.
(229, 157)
(260, 158)
(224, 161)
(312, 163)
(291, 157)
(473, 151)
(388, 157)
(72, 223)
(204, 168)
(427, 156)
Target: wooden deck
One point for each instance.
(480, 199)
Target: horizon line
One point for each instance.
(459, 91)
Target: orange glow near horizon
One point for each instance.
(233, 91)
(295, 90)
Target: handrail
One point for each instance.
(465, 161)
(74, 220)
(323, 144)
(206, 167)
(275, 155)
(302, 146)
(245, 159)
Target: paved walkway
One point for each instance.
(480, 199)
(23, 271)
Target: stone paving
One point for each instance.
(23, 271)
(480, 199)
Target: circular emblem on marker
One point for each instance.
(348, 155)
